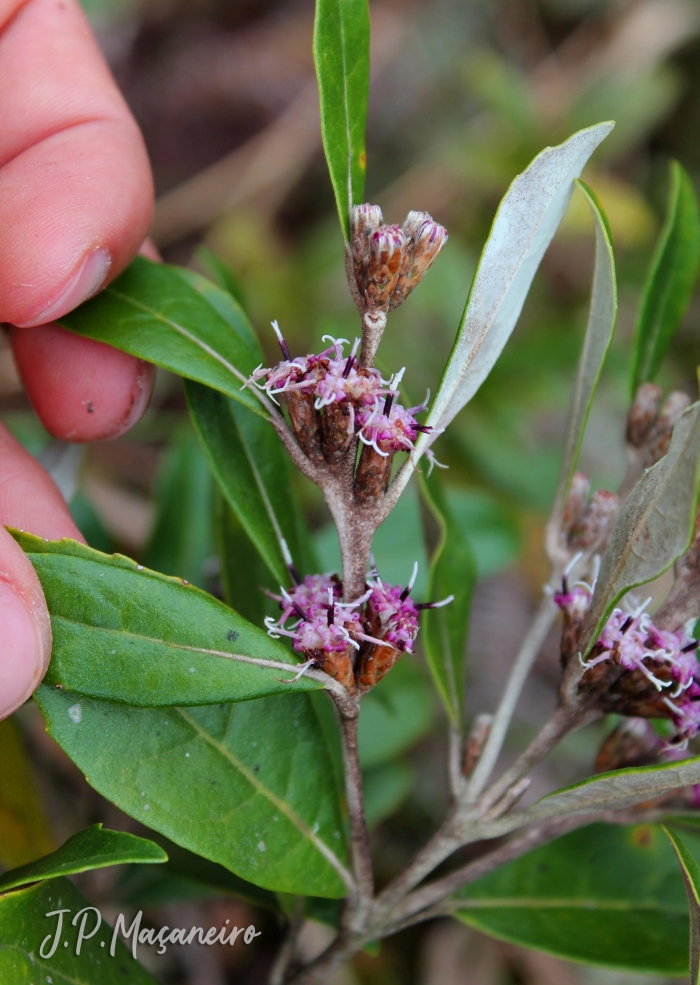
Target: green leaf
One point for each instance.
(341, 55)
(133, 635)
(603, 895)
(24, 927)
(178, 320)
(452, 572)
(670, 279)
(653, 526)
(606, 791)
(182, 538)
(250, 465)
(251, 785)
(525, 223)
(93, 848)
(690, 871)
(394, 715)
(599, 333)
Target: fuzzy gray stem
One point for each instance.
(534, 638)
(373, 326)
(563, 720)
(358, 908)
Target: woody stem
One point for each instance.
(357, 910)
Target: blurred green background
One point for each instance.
(464, 93)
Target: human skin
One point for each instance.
(76, 200)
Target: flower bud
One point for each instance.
(643, 413)
(593, 529)
(385, 256)
(576, 501)
(660, 436)
(366, 219)
(633, 742)
(425, 239)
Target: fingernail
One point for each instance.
(141, 393)
(90, 277)
(22, 658)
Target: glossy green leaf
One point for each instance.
(394, 715)
(606, 791)
(24, 927)
(133, 635)
(690, 871)
(599, 333)
(93, 848)
(452, 572)
(525, 223)
(603, 895)
(182, 540)
(250, 465)
(341, 55)
(178, 320)
(670, 279)
(251, 785)
(653, 527)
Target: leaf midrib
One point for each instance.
(279, 804)
(533, 903)
(241, 657)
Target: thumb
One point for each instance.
(25, 628)
(29, 500)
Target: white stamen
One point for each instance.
(412, 581)
(439, 605)
(572, 563)
(276, 330)
(640, 608)
(300, 673)
(286, 552)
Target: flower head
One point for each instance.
(636, 668)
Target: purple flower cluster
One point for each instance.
(356, 642)
(331, 378)
(638, 669)
(393, 614)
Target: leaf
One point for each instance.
(341, 55)
(653, 526)
(525, 223)
(182, 539)
(92, 848)
(178, 320)
(599, 333)
(670, 278)
(690, 871)
(394, 715)
(133, 635)
(604, 894)
(249, 785)
(606, 791)
(24, 927)
(452, 572)
(250, 465)
(24, 827)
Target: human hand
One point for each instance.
(76, 200)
